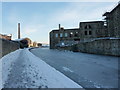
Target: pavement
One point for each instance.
(18, 74)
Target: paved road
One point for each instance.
(88, 70)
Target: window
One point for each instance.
(76, 34)
(56, 35)
(90, 32)
(71, 34)
(61, 35)
(88, 27)
(85, 32)
(66, 34)
(63, 43)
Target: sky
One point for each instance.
(37, 19)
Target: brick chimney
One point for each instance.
(18, 30)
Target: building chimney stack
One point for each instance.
(18, 30)
(59, 26)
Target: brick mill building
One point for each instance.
(88, 31)
(113, 21)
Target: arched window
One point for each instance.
(88, 27)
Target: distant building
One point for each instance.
(87, 31)
(24, 42)
(39, 44)
(35, 44)
(62, 36)
(93, 29)
(7, 37)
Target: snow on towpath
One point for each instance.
(21, 69)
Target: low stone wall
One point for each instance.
(7, 46)
(103, 46)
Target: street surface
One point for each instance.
(88, 70)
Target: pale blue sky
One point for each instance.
(39, 18)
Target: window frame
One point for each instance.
(66, 34)
(85, 33)
(61, 34)
(56, 35)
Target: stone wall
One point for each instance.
(103, 46)
(7, 46)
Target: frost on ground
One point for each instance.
(89, 70)
(67, 69)
(21, 69)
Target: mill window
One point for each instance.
(56, 35)
(90, 32)
(66, 34)
(76, 34)
(61, 35)
(85, 32)
(71, 34)
(88, 27)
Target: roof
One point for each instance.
(106, 13)
(92, 22)
(21, 39)
(64, 29)
(6, 34)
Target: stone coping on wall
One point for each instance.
(102, 38)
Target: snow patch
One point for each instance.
(6, 63)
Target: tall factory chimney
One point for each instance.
(18, 30)
(59, 27)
